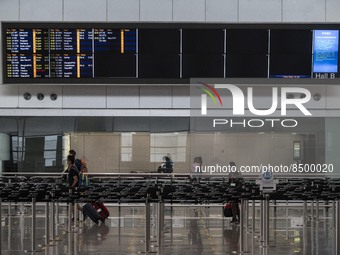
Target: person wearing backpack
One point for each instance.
(76, 163)
(73, 176)
(166, 166)
(235, 184)
(84, 181)
(73, 173)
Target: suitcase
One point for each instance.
(92, 213)
(102, 210)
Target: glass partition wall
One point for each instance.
(125, 145)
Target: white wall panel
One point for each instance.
(46, 102)
(332, 143)
(9, 96)
(189, 10)
(332, 97)
(222, 10)
(85, 10)
(1, 64)
(155, 97)
(123, 97)
(181, 97)
(156, 10)
(123, 10)
(332, 11)
(41, 10)
(9, 10)
(84, 97)
(260, 11)
(304, 10)
(315, 91)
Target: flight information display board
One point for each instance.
(26, 53)
(165, 53)
(33, 53)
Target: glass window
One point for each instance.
(126, 146)
(168, 144)
(50, 150)
(18, 147)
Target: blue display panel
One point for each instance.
(115, 40)
(325, 53)
(71, 53)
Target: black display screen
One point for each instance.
(165, 53)
(203, 41)
(159, 53)
(290, 66)
(201, 66)
(247, 41)
(247, 53)
(290, 53)
(203, 53)
(285, 41)
(247, 66)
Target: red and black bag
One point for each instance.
(227, 210)
(92, 213)
(102, 210)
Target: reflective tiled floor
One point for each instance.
(198, 230)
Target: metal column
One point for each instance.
(53, 221)
(337, 228)
(57, 213)
(33, 238)
(147, 225)
(75, 217)
(57, 221)
(33, 224)
(261, 220)
(246, 210)
(305, 213)
(253, 217)
(265, 224)
(312, 210)
(47, 223)
(119, 223)
(242, 227)
(267, 221)
(69, 217)
(160, 224)
(9, 208)
(334, 214)
(317, 214)
(0, 225)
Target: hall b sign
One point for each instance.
(278, 100)
(324, 75)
